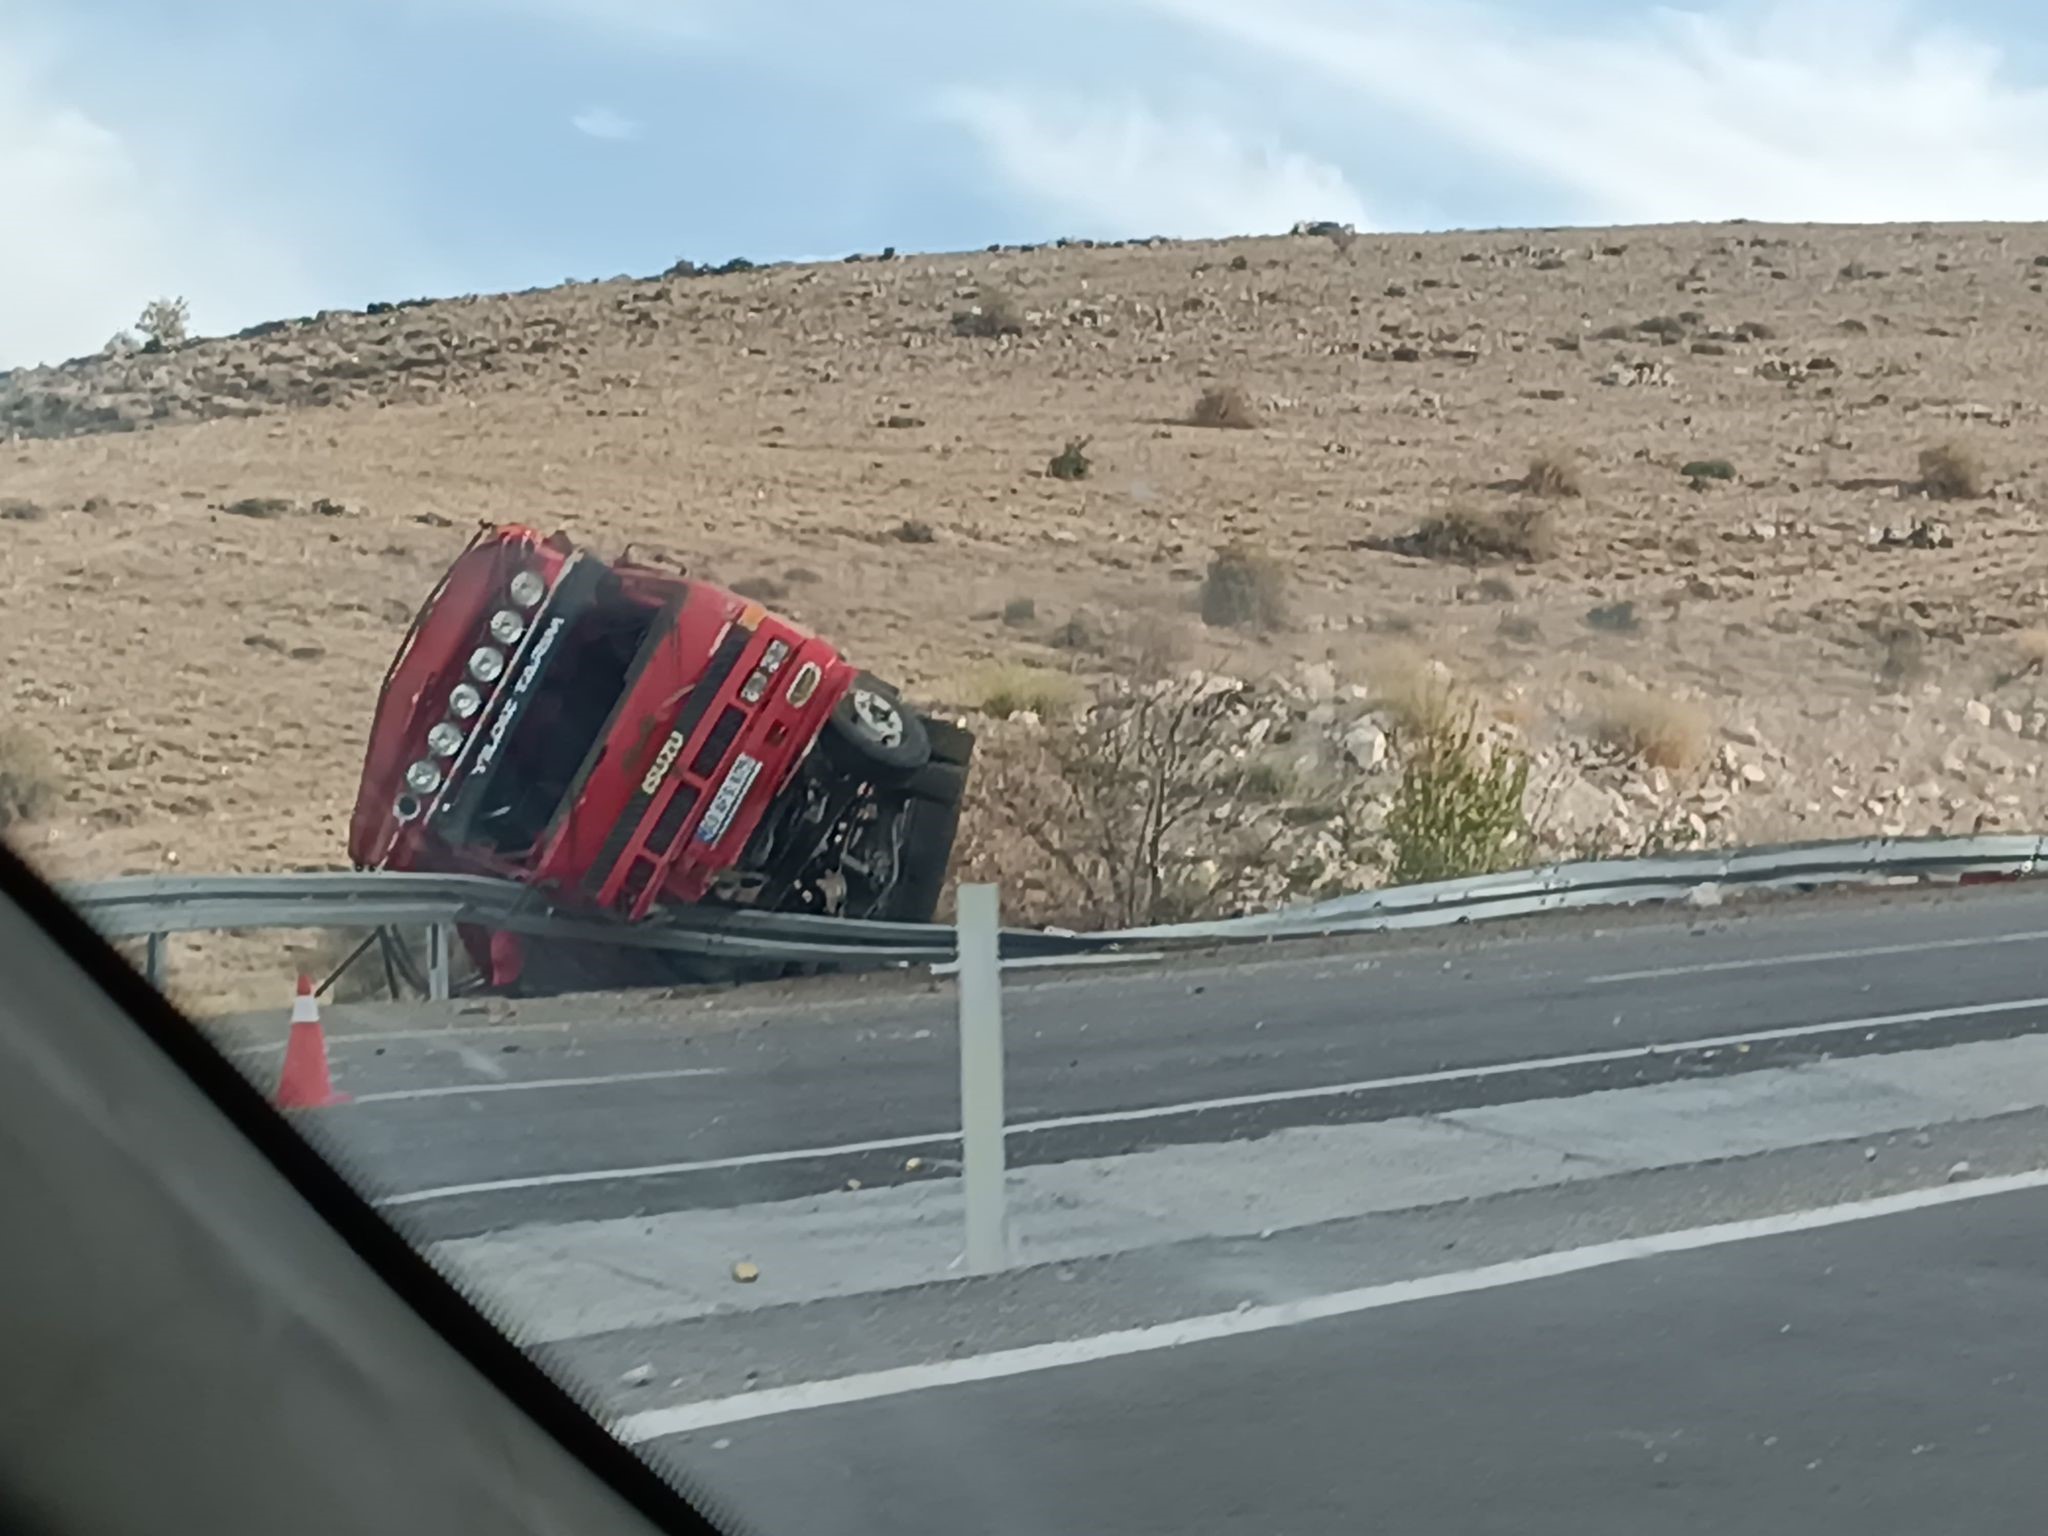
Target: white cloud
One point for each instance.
(95, 228)
(604, 123)
(1128, 171)
(1790, 109)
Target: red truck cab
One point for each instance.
(625, 737)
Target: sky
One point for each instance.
(269, 158)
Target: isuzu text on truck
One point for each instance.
(625, 738)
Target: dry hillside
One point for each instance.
(1760, 504)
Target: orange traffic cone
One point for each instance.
(304, 1083)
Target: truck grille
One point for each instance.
(723, 662)
(719, 741)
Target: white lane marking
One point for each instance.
(528, 1085)
(1236, 1101)
(682, 1418)
(656, 1170)
(1816, 957)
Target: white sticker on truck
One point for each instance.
(725, 803)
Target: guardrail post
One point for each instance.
(437, 962)
(981, 1078)
(155, 961)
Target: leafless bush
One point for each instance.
(1244, 589)
(993, 313)
(1951, 471)
(163, 323)
(1139, 809)
(1473, 535)
(2030, 650)
(1226, 406)
(1662, 731)
(29, 783)
(1553, 473)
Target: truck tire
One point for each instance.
(871, 730)
(931, 816)
(950, 743)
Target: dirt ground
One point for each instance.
(205, 676)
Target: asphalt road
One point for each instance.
(466, 1128)
(1886, 1376)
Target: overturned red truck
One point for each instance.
(627, 738)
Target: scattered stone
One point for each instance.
(1926, 533)
(1958, 1171)
(1705, 895)
(912, 1164)
(1365, 745)
(639, 1376)
(746, 1272)
(1977, 712)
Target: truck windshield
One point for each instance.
(559, 724)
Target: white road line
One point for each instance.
(656, 1170)
(1236, 1101)
(1816, 957)
(527, 1085)
(682, 1418)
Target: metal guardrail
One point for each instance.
(152, 906)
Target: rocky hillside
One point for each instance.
(1741, 525)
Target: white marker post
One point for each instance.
(981, 1079)
(437, 962)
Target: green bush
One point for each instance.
(1070, 463)
(1459, 808)
(1708, 469)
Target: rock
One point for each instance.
(1958, 1171)
(1977, 712)
(2010, 719)
(1742, 733)
(1703, 895)
(912, 1164)
(1365, 745)
(1753, 773)
(745, 1272)
(639, 1376)
(1318, 680)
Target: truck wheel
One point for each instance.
(931, 822)
(871, 729)
(950, 743)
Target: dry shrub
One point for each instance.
(164, 323)
(1226, 406)
(1071, 462)
(1474, 535)
(1244, 589)
(1416, 694)
(1139, 809)
(1663, 732)
(1460, 808)
(29, 783)
(2030, 650)
(994, 313)
(1553, 474)
(1015, 688)
(1951, 471)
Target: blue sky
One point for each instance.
(273, 157)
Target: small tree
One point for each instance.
(163, 323)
